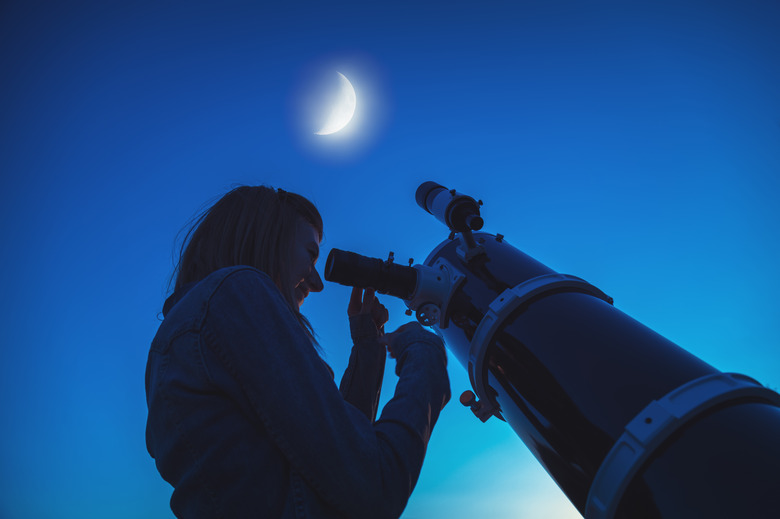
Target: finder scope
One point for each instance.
(457, 211)
(627, 423)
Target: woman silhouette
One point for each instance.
(245, 419)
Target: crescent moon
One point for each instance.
(343, 109)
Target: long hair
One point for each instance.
(250, 225)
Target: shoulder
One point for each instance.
(240, 284)
(236, 296)
(234, 278)
(228, 297)
(246, 315)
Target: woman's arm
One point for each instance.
(257, 350)
(361, 384)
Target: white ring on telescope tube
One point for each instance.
(654, 424)
(502, 307)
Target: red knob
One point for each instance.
(467, 398)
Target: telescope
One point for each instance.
(627, 423)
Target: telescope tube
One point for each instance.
(354, 270)
(627, 423)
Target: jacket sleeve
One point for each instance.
(361, 384)
(261, 354)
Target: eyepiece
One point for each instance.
(353, 270)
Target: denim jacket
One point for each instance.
(246, 421)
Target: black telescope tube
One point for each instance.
(575, 378)
(353, 270)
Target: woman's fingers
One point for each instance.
(388, 338)
(361, 301)
(364, 301)
(355, 301)
(379, 314)
(369, 296)
(387, 341)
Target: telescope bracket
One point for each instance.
(435, 287)
(468, 248)
(654, 424)
(499, 311)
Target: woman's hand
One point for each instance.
(389, 338)
(365, 302)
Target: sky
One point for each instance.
(633, 144)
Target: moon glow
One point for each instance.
(343, 108)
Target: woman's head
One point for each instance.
(272, 230)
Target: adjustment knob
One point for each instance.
(468, 398)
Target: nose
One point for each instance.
(315, 281)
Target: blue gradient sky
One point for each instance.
(634, 144)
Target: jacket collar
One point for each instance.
(176, 297)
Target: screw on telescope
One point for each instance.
(469, 399)
(480, 410)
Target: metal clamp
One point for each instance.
(654, 424)
(435, 287)
(502, 307)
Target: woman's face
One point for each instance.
(306, 250)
